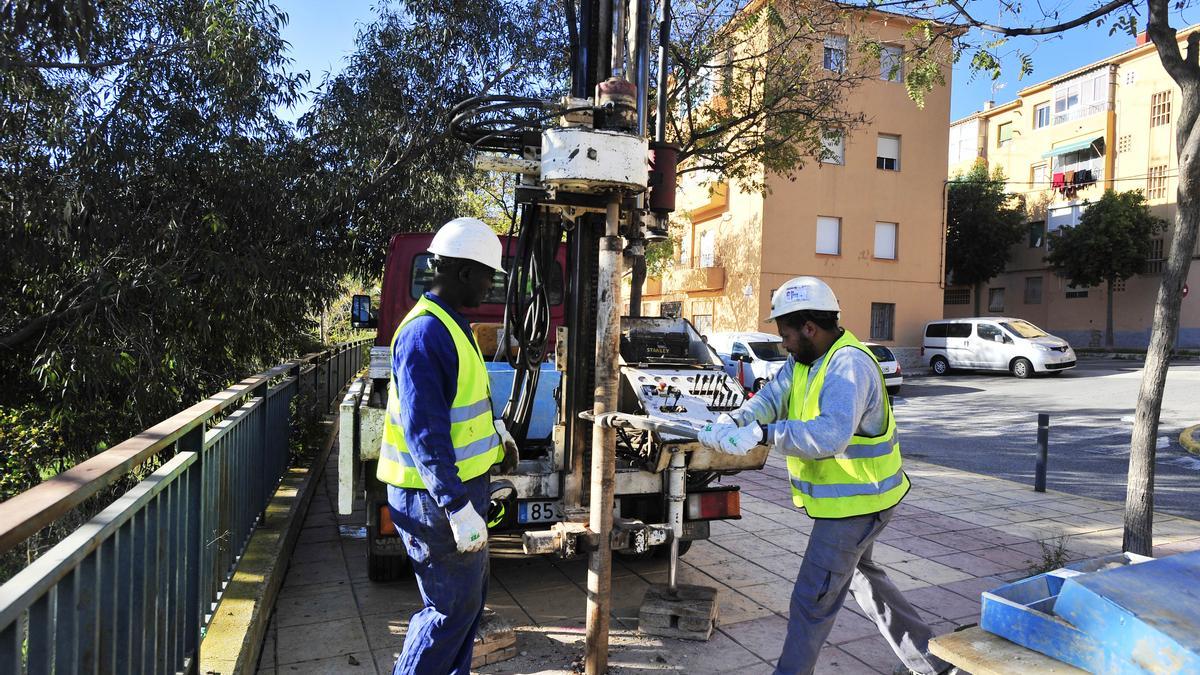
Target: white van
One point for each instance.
(994, 343)
(751, 357)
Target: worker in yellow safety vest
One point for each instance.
(828, 412)
(439, 442)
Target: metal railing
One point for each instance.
(131, 590)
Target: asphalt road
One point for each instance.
(987, 423)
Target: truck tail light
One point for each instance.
(386, 527)
(897, 367)
(714, 505)
(922, 350)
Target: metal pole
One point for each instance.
(608, 335)
(1043, 440)
(664, 42)
(618, 42)
(676, 494)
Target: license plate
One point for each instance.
(539, 512)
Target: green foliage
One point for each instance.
(1110, 243)
(982, 222)
(659, 256)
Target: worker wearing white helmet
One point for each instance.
(828, 412)
(439, 442)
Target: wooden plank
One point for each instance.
(982, 653)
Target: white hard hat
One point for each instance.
(803, 293)
(468, 238)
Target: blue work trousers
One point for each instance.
(838, 562)
(453, 585)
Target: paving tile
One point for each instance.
(958, 541)
(874, 652)
(1010, 557)
(945, 604)
(919, 546)
(386, 630)
(551, 605)
(301, 574)
(319, 552)
(311, 642)
(738, 575)
(735, 606)
(834, 661)
(315, 535)
(763, 636)
(929, 571)
(376, 598)
(775, 596)
(972, 564)
(357, 662)
(331, 603)
(972, 588)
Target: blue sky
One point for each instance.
(322, 33)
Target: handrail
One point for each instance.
(25, 514)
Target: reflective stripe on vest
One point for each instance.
(472, 432)
(864, 478)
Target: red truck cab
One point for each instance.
(406, 276)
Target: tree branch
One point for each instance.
(1045, 30)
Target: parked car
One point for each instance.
(995, 343)
(751, 357)
(892, 376)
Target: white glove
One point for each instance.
(470, 532)
(726, 418)
(512, 455)
(730, 438)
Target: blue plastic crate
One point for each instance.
(1027, 612)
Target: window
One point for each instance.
(1156, 182)
(685, 247)
(708, 257)
(953, 330)
(1033, 290)
(1124, 144)
(1160, 108)
(1039, 176)
(703, 323)
(1037, 234)
(995, 299)
(956, 296)
(887, 152)
(829, 235)
(891, 63)
(1004, 134)
(835, 53)
(989, 332)
(1041, 116)
(1155, 261)
(885, 241)
(1074, 293)
(1066, 98)
(883, 319)
(833, 146)
(1081, 96)
(739, 349)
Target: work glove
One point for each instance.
(470, 532)
(729, 438)
(726, 418)
(512, 455)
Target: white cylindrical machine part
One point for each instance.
(676, 495)
(585, 160)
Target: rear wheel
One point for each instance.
(939, 365)
(1022, 368)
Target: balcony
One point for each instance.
(707, 277)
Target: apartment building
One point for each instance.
(868, 219)
(1061, 143)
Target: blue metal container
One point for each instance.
(545, 410)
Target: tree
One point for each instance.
(982, 223)
(1111, 243)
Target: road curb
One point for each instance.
(1190, 439)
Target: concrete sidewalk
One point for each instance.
(955, 535)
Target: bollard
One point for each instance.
(1043, 441)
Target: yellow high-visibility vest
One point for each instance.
(472, 433)
(864, 478)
